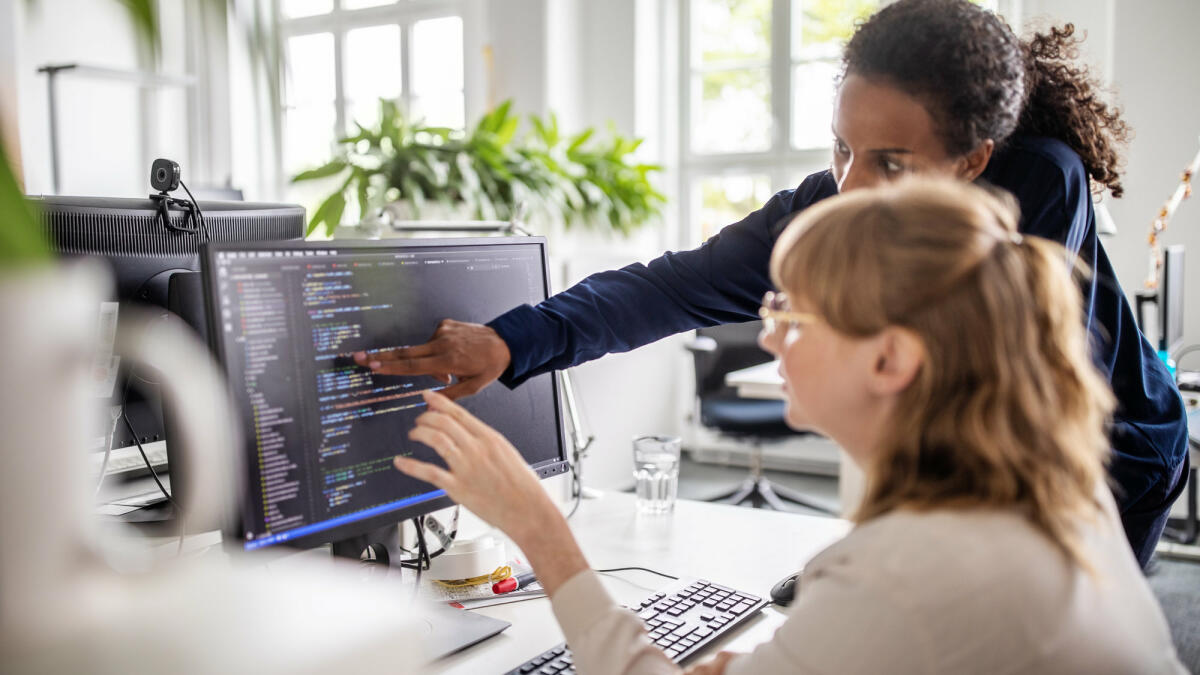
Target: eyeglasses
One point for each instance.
(775, 316)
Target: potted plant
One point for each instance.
(488, 172)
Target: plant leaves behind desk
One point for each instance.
(577, 179)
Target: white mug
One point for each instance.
(47, 411)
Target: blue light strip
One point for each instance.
(306, 530)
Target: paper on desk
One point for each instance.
(479, 595)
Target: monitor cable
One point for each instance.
(149, 465)
(436, 528)
(115, 411)
(196, 205)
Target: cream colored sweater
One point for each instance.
(935, 592)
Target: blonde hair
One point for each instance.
(1007, 409)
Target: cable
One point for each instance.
(115, 412)
(412, 562)
(643, 569)
(196, 205)
(576, 484)
(499, 574)
(161, 487)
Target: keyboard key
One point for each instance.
(672, 652)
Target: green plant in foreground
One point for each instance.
(22, 240)
(490, 170)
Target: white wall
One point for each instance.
(1156, 53)
(582, 60)
(105, 141)
(1148, 52)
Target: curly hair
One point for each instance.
(979, 81)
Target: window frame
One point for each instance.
(781, 162)
(402, 13)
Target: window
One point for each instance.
(757, 100)
(342, 56)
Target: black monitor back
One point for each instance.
(157, 265)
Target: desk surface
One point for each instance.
(749, 549)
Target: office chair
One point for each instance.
(717, 351)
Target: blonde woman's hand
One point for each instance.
(484, 472)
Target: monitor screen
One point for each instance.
(320, 430)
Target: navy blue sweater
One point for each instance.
(724, 280)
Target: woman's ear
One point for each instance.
(899, 355)
(974, 162)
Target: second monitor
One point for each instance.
(320, 430)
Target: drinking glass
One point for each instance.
(656, 470)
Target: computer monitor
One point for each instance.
(1171, 303)
(147, 260)
(320, 430)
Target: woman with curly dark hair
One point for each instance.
(929, 86)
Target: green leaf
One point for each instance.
(579, 140)
(364, 200)
(144, 15)
(331, 169)
(22, 239)
(329, 212)
(413, 192)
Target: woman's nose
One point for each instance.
(856, 176)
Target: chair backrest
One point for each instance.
(736, 348)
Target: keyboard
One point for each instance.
(682, 620)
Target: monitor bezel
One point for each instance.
(236, 530)
(1172, 298)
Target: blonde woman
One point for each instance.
(946, 354)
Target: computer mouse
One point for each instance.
(783, 592)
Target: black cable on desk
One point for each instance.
(643, 569)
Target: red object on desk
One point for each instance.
(513, 583)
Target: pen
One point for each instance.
(513, 583)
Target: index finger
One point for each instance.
(410, 352)
(426, 365)
(460, 414)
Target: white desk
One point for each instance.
(749, 549)
(764, 381)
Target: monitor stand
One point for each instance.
(445, 630)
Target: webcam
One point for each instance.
(164, 175)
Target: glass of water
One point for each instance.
(656, 469)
